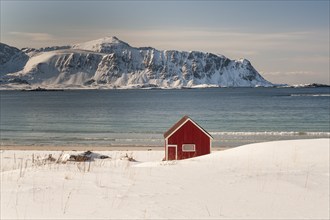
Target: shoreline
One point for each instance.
(91, 148)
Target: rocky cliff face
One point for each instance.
(11, 59)
(112, 63)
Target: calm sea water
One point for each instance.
(233, 116)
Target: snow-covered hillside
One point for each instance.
(274, 180)
(112, 63)
(11, 59)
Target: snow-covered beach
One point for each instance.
(272, 180)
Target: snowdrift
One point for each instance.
(274, 180)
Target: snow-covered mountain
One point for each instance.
(11, 59)
(310, 85)
(112, 63)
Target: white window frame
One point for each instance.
(194, 146)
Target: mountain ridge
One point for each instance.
(111, 63)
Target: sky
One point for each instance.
(286, 41)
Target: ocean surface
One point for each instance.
(233, 116)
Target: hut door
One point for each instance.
(172, 152)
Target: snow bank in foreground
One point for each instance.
(284, 179)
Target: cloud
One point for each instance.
(243, 52)
(297, 77)
(34, 36)
(231, 42)
(291, 73)
(315, 59)
(222, 36)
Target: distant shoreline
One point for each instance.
(37, 88)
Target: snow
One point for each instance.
(102, 45)
(273, 180)
(11, 59)
(111, 63)
(39, 58)
(310, 85)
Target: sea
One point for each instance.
(233, 116)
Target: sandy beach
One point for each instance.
(271, 180)
(79, 148)
(90, 148)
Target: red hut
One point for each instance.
(186, 139)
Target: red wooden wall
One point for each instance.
(189, 134)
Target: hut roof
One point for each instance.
(181, 122)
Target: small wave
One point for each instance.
(97, 139)
(273, 133)
(311, 95)
(121, 139)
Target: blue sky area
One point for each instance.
(286, 41)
